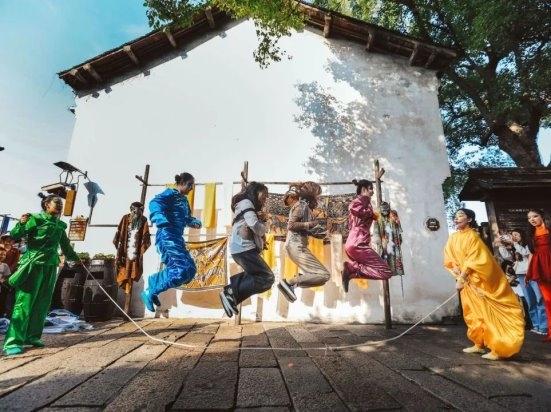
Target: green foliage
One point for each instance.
(161, 13)
(84, 255)
(103, 256)
(494, 97)
(273, 20)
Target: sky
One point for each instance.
(42, 38)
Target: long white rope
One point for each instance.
(325, 348)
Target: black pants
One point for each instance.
(257, 277)
(7, 300)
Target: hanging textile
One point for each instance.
(317, 248)
(268, 254)
(332, 213)
(210, 258)
(209, 213)
(191, 198)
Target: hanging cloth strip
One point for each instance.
(209, 213)
(191, 199)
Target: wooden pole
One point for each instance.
(244, 180)
(379, 172)
(129, 283)
(145, 183)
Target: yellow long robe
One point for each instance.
(491, 309)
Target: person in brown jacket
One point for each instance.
(131, 240)
(303, 198)
(12, 253)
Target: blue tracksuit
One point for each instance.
(170, 212)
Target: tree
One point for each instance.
(497, 92)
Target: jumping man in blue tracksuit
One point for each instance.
(170, 212)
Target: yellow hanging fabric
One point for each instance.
(317, 248)
(209, 214)
(191, 198)
(290, 270)
(269, 254)
(362, 283)
(269, 257)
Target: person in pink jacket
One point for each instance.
(364, 263)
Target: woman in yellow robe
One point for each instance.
(490, 307)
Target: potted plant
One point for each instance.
(84, 257)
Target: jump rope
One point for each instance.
(325, 348)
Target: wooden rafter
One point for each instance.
(78, 76)
(170, 38)
(414, 54)
(210, 17)
(88, 67)
(327, 26)
(370, 40)
(128, 50)
(431, 58)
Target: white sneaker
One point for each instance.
(474, 349)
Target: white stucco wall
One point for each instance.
(324, 115)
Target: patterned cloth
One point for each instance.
(210, 258)
(332, 213)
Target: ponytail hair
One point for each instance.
(310, 192)
(360, 184)
(183, 177)
(47, 199)
(249, 192)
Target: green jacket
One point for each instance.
(44, 233)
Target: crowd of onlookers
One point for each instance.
(515, 255)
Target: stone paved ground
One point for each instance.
(116, 368)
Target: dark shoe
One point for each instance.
(345, 276)
(155, 299)
(13, 351)
(228, 302)
(147, 301)
(287, 290)
(37, 343)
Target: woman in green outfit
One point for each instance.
(35, 277)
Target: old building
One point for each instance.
(195, 100)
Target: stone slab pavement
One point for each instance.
(214, 365)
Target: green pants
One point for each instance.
(32, 302)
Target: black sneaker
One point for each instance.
(345, 276)
(228, 302)
(155, 300)
(287, 290)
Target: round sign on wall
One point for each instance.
(432, 224)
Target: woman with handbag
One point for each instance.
(365, 262)
(247, 242)
(303, 199)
